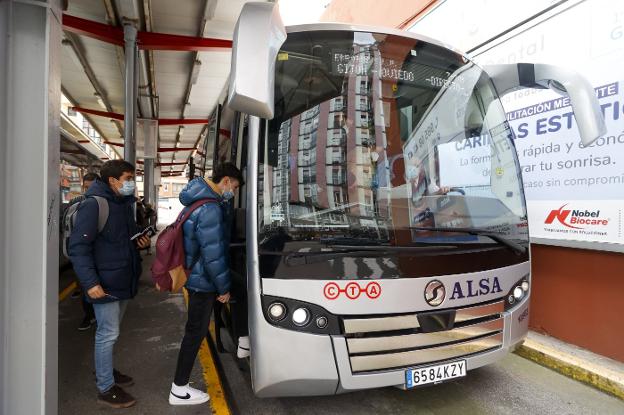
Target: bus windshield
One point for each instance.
(386, 155)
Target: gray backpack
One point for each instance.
(69, 218)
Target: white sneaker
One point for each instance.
(185, 395)
(243, 347)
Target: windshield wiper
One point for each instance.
(338, 251)
(351, 241)
(514, 246)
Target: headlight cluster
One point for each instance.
(517, 292)
(298, 315)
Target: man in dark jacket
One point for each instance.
(108, 266)
(206, 243)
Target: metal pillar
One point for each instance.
(148, 181)
(130, 91)
(30, 96)
(4, 309)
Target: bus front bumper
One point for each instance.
(514, 332)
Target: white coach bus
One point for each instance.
(382, 230)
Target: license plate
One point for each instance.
(435, 374)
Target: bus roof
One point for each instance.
(374, 29)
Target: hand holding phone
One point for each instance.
(148, 232)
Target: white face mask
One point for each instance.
(228, 194)
(127, 189)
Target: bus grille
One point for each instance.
(391, 342)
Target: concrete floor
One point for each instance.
(152, 331)
(146, 350)
(513, 385)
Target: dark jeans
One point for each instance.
(199, 310)
(238, 309)
(87, 307)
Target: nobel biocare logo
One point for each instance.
(571, 218)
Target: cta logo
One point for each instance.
(352, 290)
(570, 218)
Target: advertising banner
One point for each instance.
(573, 193)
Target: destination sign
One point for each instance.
(365, 64)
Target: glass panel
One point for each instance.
(374, 138)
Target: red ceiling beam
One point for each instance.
(163, 41)
(161, 121)
(173, 149)
(106, 114)
(145, 40)
(96, 30)
(160, 149)
(183, 163)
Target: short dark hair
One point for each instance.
(115, 169)
(90, 177)
(227, 170)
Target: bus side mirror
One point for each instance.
(252, 74)
(589, 119)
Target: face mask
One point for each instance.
(127, 189)
(227, 195)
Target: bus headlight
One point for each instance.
(518, 291)
(301, 317)
(291, 314)
(321, 322)
(277, 311)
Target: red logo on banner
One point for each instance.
(570, 218)
(561, 216)
(352, 290)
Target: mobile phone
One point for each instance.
(149, 232)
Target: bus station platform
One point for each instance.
(150, 338)
(146, 350)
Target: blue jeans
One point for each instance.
(108, 316)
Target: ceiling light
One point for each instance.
(195, 72)
(99, 100)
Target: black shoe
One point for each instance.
(75, 294)
(116, 397)
(86, 324)
(121, 379)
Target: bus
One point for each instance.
(381, 237)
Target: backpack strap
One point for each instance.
(184, 215)
(103, 211)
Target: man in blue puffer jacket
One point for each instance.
(206, 243)
(108, 266)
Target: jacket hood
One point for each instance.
(195, 190)
(99, 188)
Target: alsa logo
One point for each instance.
(570, 218)
(470, 288)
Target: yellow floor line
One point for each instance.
(211, 375)
(63, 295)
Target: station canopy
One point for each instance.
(182, 70)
